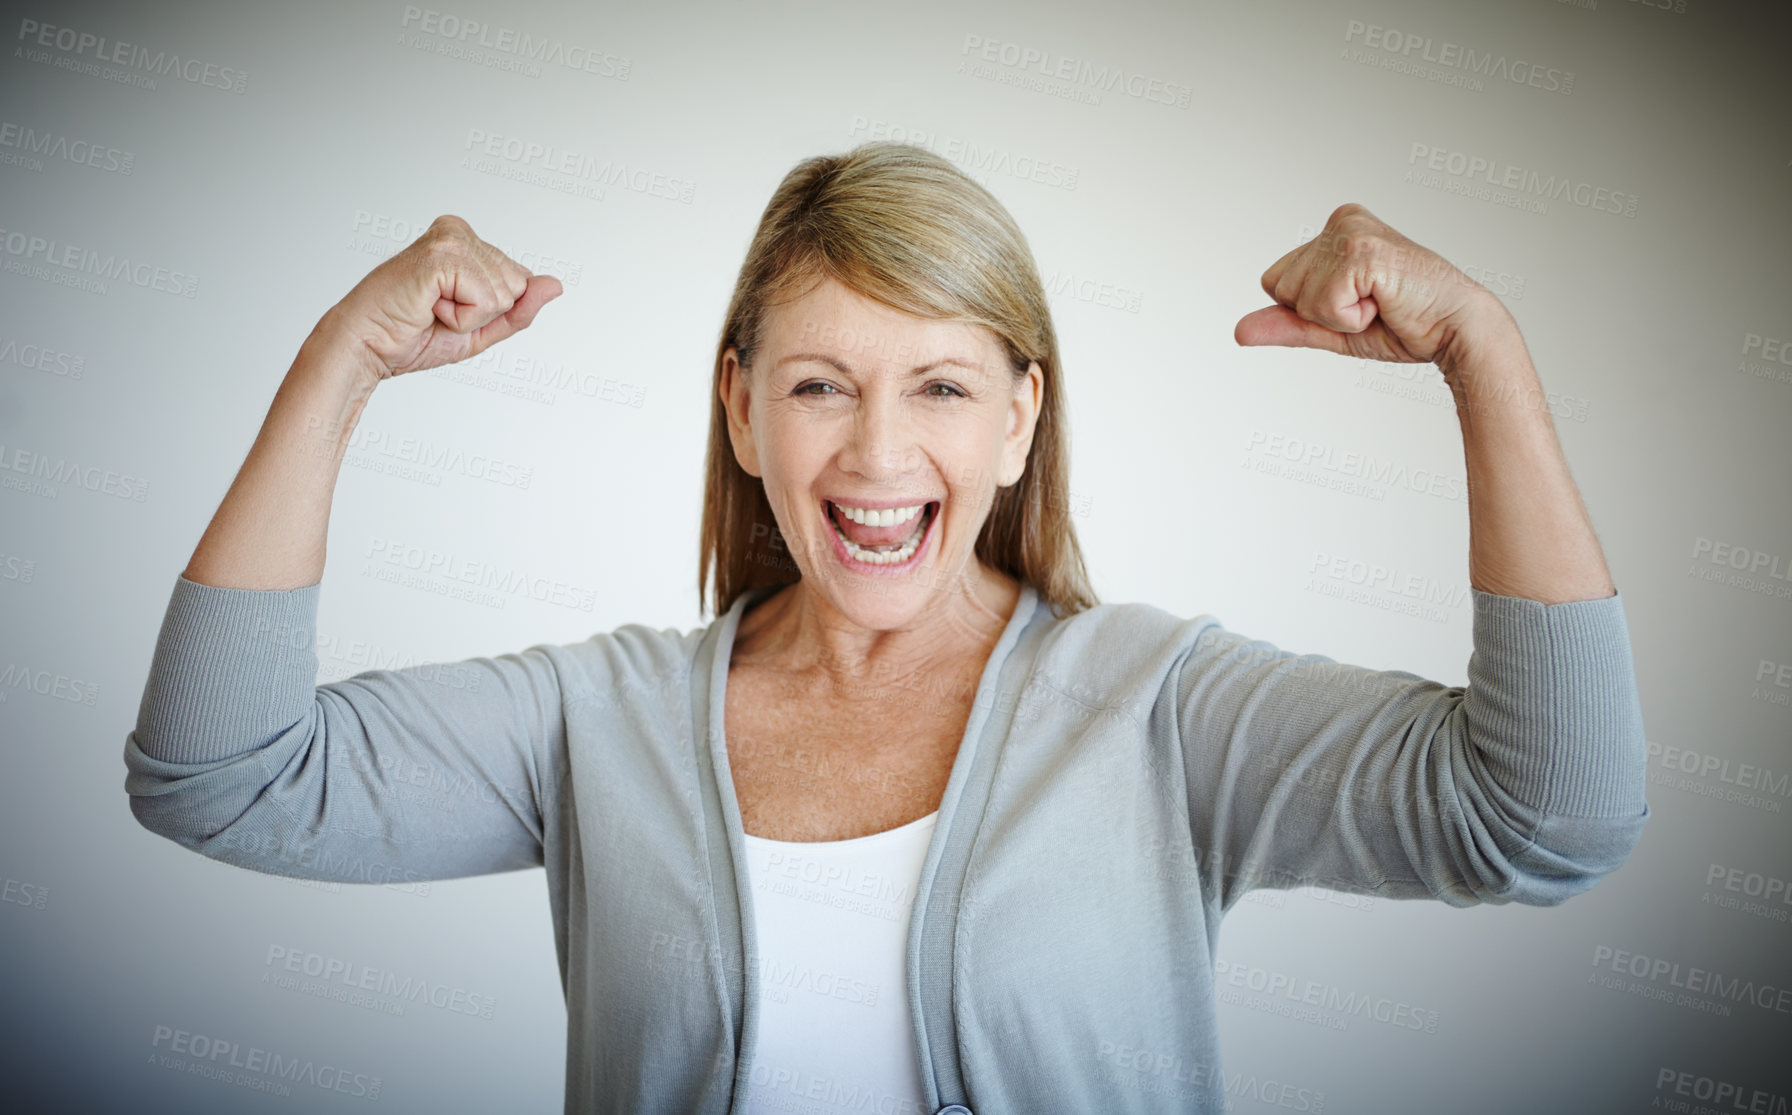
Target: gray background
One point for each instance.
(1657, 333)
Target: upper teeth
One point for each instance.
(888, 517)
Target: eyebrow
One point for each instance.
(824, 358)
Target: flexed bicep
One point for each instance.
(425, 772)
(1524, 785)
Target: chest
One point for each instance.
(813, 765)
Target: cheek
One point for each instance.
(967, 453)
(791, 456)
(989, 445)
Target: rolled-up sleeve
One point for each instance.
(393, 775)
(1525, 785)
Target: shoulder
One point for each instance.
(1117, 653)
(628, 663)
(1125, 630)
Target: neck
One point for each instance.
(799, 630)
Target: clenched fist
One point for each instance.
(447, 296)
(1361, 289)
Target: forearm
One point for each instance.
(1529, 533)
(269, 532)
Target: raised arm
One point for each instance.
(446, 297)
(426, 772)
(1361, 289)
(1527, 784)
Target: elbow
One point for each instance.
(154, 816)
(154, 788)
(260, 808)
(1571, 855)
(162, 811)
(234, 831)
(195, 805)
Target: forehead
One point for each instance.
(837, 320)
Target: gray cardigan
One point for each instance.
(1126, 776)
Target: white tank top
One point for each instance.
(831, 919)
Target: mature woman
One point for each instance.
(915, 824)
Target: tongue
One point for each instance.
(878, 536)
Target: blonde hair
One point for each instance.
(901, 226)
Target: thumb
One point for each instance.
(1278, 325)
(541, 290)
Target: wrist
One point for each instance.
(336, 344)
(327, 388)
(1484, 360)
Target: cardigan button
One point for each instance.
(953, 1109)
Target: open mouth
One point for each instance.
(869, 539)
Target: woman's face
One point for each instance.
(855, 407)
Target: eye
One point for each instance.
(804, 389)
(955, 392)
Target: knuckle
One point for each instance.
(450, 235)
(494, 260)
(448, 244)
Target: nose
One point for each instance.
(881, 444)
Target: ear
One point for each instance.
(1023, 418)
(737, 401)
